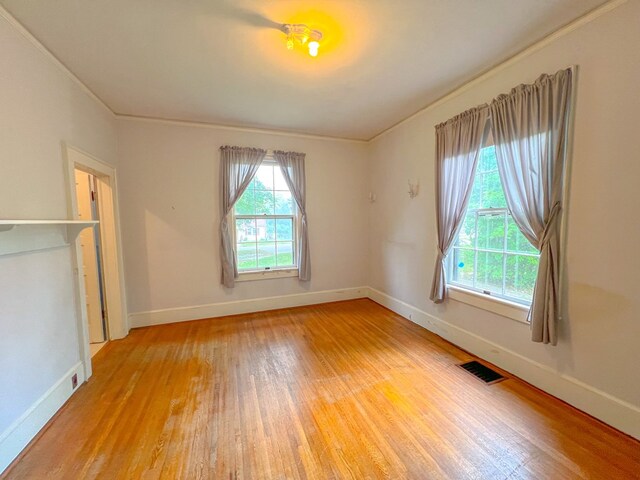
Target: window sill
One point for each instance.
(505, 308)
(267, 274)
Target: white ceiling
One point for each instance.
(224, 62)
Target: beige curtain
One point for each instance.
(530, 127)
(238, 166)
(458, 143)
(292, 166)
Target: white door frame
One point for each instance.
(110, 238)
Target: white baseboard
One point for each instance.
(607, 408)
(183, 314)
(18, 435)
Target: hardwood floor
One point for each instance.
(343, 390)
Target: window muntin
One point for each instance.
(265, 222)
(490, 254)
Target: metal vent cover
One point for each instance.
(482, 372)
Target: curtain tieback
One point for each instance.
(549, 227)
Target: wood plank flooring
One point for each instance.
(342, 390)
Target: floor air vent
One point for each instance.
(485, 374)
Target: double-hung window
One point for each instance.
(265, 223)
(491, 255)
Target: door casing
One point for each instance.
(110, 238)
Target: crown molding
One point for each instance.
(540, 44)
(13, 22)
(215, 126)
(562, 31)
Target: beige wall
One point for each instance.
(599, 341)
(40, 106)
(169, 202)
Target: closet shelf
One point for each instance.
(20, 236)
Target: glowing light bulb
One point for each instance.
(290, 42)
(313, 48)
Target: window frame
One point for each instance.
(504, 251)
(263, 273)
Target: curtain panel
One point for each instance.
(530, 129)
(293, 171)
(238, 166)
(458, 144)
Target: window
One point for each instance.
(490, 254)
(265, 221)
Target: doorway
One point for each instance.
(97, 256)
(92, 266)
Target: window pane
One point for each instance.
(492, 193)
(245, 230)
(467, 234)
(475, 201)
(247, 256)
(513, 232)
(246, 204)
(279, 182)
(284, 229)
(266, 231)
(463, 266)
(264, 178)
(284, 203)
(491, 231)
(516, 241)
(521, 276)
(264, 202)
(489, 271)
(266, 254)
(488, 160)
(285, 254)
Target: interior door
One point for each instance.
(86, 201)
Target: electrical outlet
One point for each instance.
(74, 381)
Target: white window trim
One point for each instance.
(500, 306)
(251, 275)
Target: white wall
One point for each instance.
(40, 106)
(169, 202)
(599, 341)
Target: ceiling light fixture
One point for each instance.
(300, 34)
